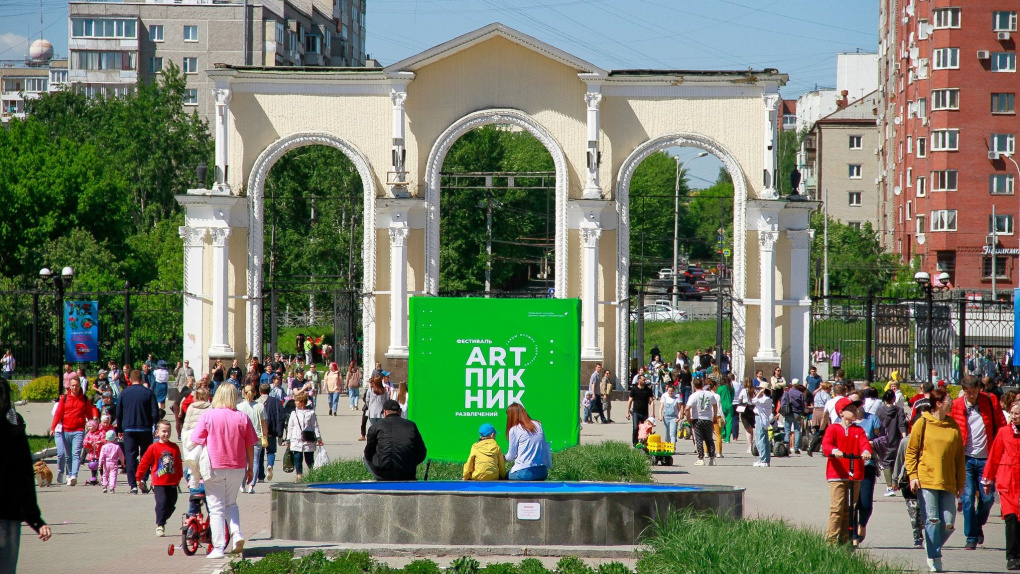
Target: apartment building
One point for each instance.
(24, 80)
(948, 86)
(114, 45)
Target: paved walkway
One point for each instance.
(109, 534)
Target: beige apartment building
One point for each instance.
(114, 45)
(24, 80)
(841, 148)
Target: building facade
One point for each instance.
(948, 85)
(114, 45)
(21, 81)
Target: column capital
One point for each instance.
(767, 239)
(219, 236)
(192, 236)
(398, 236)
(801, 238)
(771, 102)
(593, 99)
(590, 235)
(398, 97)
(222, 96)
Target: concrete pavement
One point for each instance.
(108, 534)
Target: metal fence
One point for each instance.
(132, 324)
(877, 336)
(333, 313)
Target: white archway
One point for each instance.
(627, 169)
(256, 205)
(434, 168)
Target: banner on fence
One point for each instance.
(471, 358)
(1016, 324)
(81, 331)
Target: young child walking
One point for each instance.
(93, 442)
(486, 461)
(111, 456)
(163, 461)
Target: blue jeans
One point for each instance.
(353, 396)
(58, 439)
(530, 473)
(334, 400)
(976, 504)
(258, 473)
(671, 426)
(795, 421)
(72, 452)
(685, 392)
(761, 439)
(938, 510)
(587, 414)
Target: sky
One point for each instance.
(799, 37)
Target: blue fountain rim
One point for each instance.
(514, 487)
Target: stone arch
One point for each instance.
(432, 187)
(740, 191)
(256, 209)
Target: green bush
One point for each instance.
(464, 565)
(573, 565)
(41, 390)
(532, 566)
(613, 568)
(503, 568)
(689, 542)
(15, 392)
(422, 567)
(604, 462)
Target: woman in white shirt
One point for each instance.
(762, 416)
(670, 408)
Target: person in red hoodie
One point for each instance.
(73, 410)
(979, 417)
(1002, 473)
(163, 461)
(842, 440)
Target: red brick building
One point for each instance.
(948, 86)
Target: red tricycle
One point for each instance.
(195, 529)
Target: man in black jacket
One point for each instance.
(276, 421)
(137, 414)
(395, 447)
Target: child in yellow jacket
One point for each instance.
(486, 460)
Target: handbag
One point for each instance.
(288, 461)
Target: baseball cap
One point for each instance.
(651, 420)
(391, 405)
(844, 403)
(794, 382)
(486, 430)
(385, 373)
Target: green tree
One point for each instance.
(652, 202)
(789, 145)
(857, 263)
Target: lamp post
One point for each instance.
(60, 284)
(1017, 166)
(676, 223)
(923, 280)
(488, 203)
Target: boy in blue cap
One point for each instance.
(486, 461)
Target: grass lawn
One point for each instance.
(689, 335)
(37, 443)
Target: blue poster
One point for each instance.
(1016, 324)
(81, 331)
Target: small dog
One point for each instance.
(43, 474)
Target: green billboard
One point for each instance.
(470, 358)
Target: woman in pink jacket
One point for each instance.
(1003, 470)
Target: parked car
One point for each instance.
(665, 273)
(687, 292)
(703, 286)
(660, 313)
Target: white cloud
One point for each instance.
(12, 45)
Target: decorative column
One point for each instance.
(593, 98)
(398, 287)
(770, 157)
(221, 186)
(194, 243)
(590, 235)
(767, 322)
(397, 179)
(800, 309)
(220, 348)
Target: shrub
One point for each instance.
(15, 392)
(613, 568)
(573, 565)
(41, 390)
(464, 565)
(503, 568)
(422, 567)
(532, 566)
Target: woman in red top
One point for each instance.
(72, 412)
(1003, 469)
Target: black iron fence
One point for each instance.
(132, 324)
(333, 314)
(876, 336)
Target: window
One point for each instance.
(855, 198)
(855, 171)
(190, 65)
(1000, 267)
(313, 44)
(155, 65)
(945, 140)
(191, 33)
(1000, 184)
(279, 33)
(191, 97)
(856, 142)
(35, 84)
(1004, 61)
(1004, 21)
(947, 58)
(89, 60)
(156, 32)
(1003, 224)
(910, 144)
(947, 18)
(910, 177)
(919, 227)
(910, 210)
(943, 220)
(922, 186)
(922, 107)
(103, 28)
(922, 147)
(1003, 103)
(1003, 143)
(944, 180)
(58, 76)
(948, 99)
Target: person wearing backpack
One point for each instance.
(791, 406)
(979, 417)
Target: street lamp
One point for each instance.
(60, 283)
(676, 223)
(1017, 166)
(923, 280)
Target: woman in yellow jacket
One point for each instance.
(935, 464)
(486, 461)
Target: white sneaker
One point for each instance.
(757, 463)
(889, 492)
(748, 450)
(159, 531)
(935, 564)
(215, 554)
(700, 462)
(236, 544)
(72, 481)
